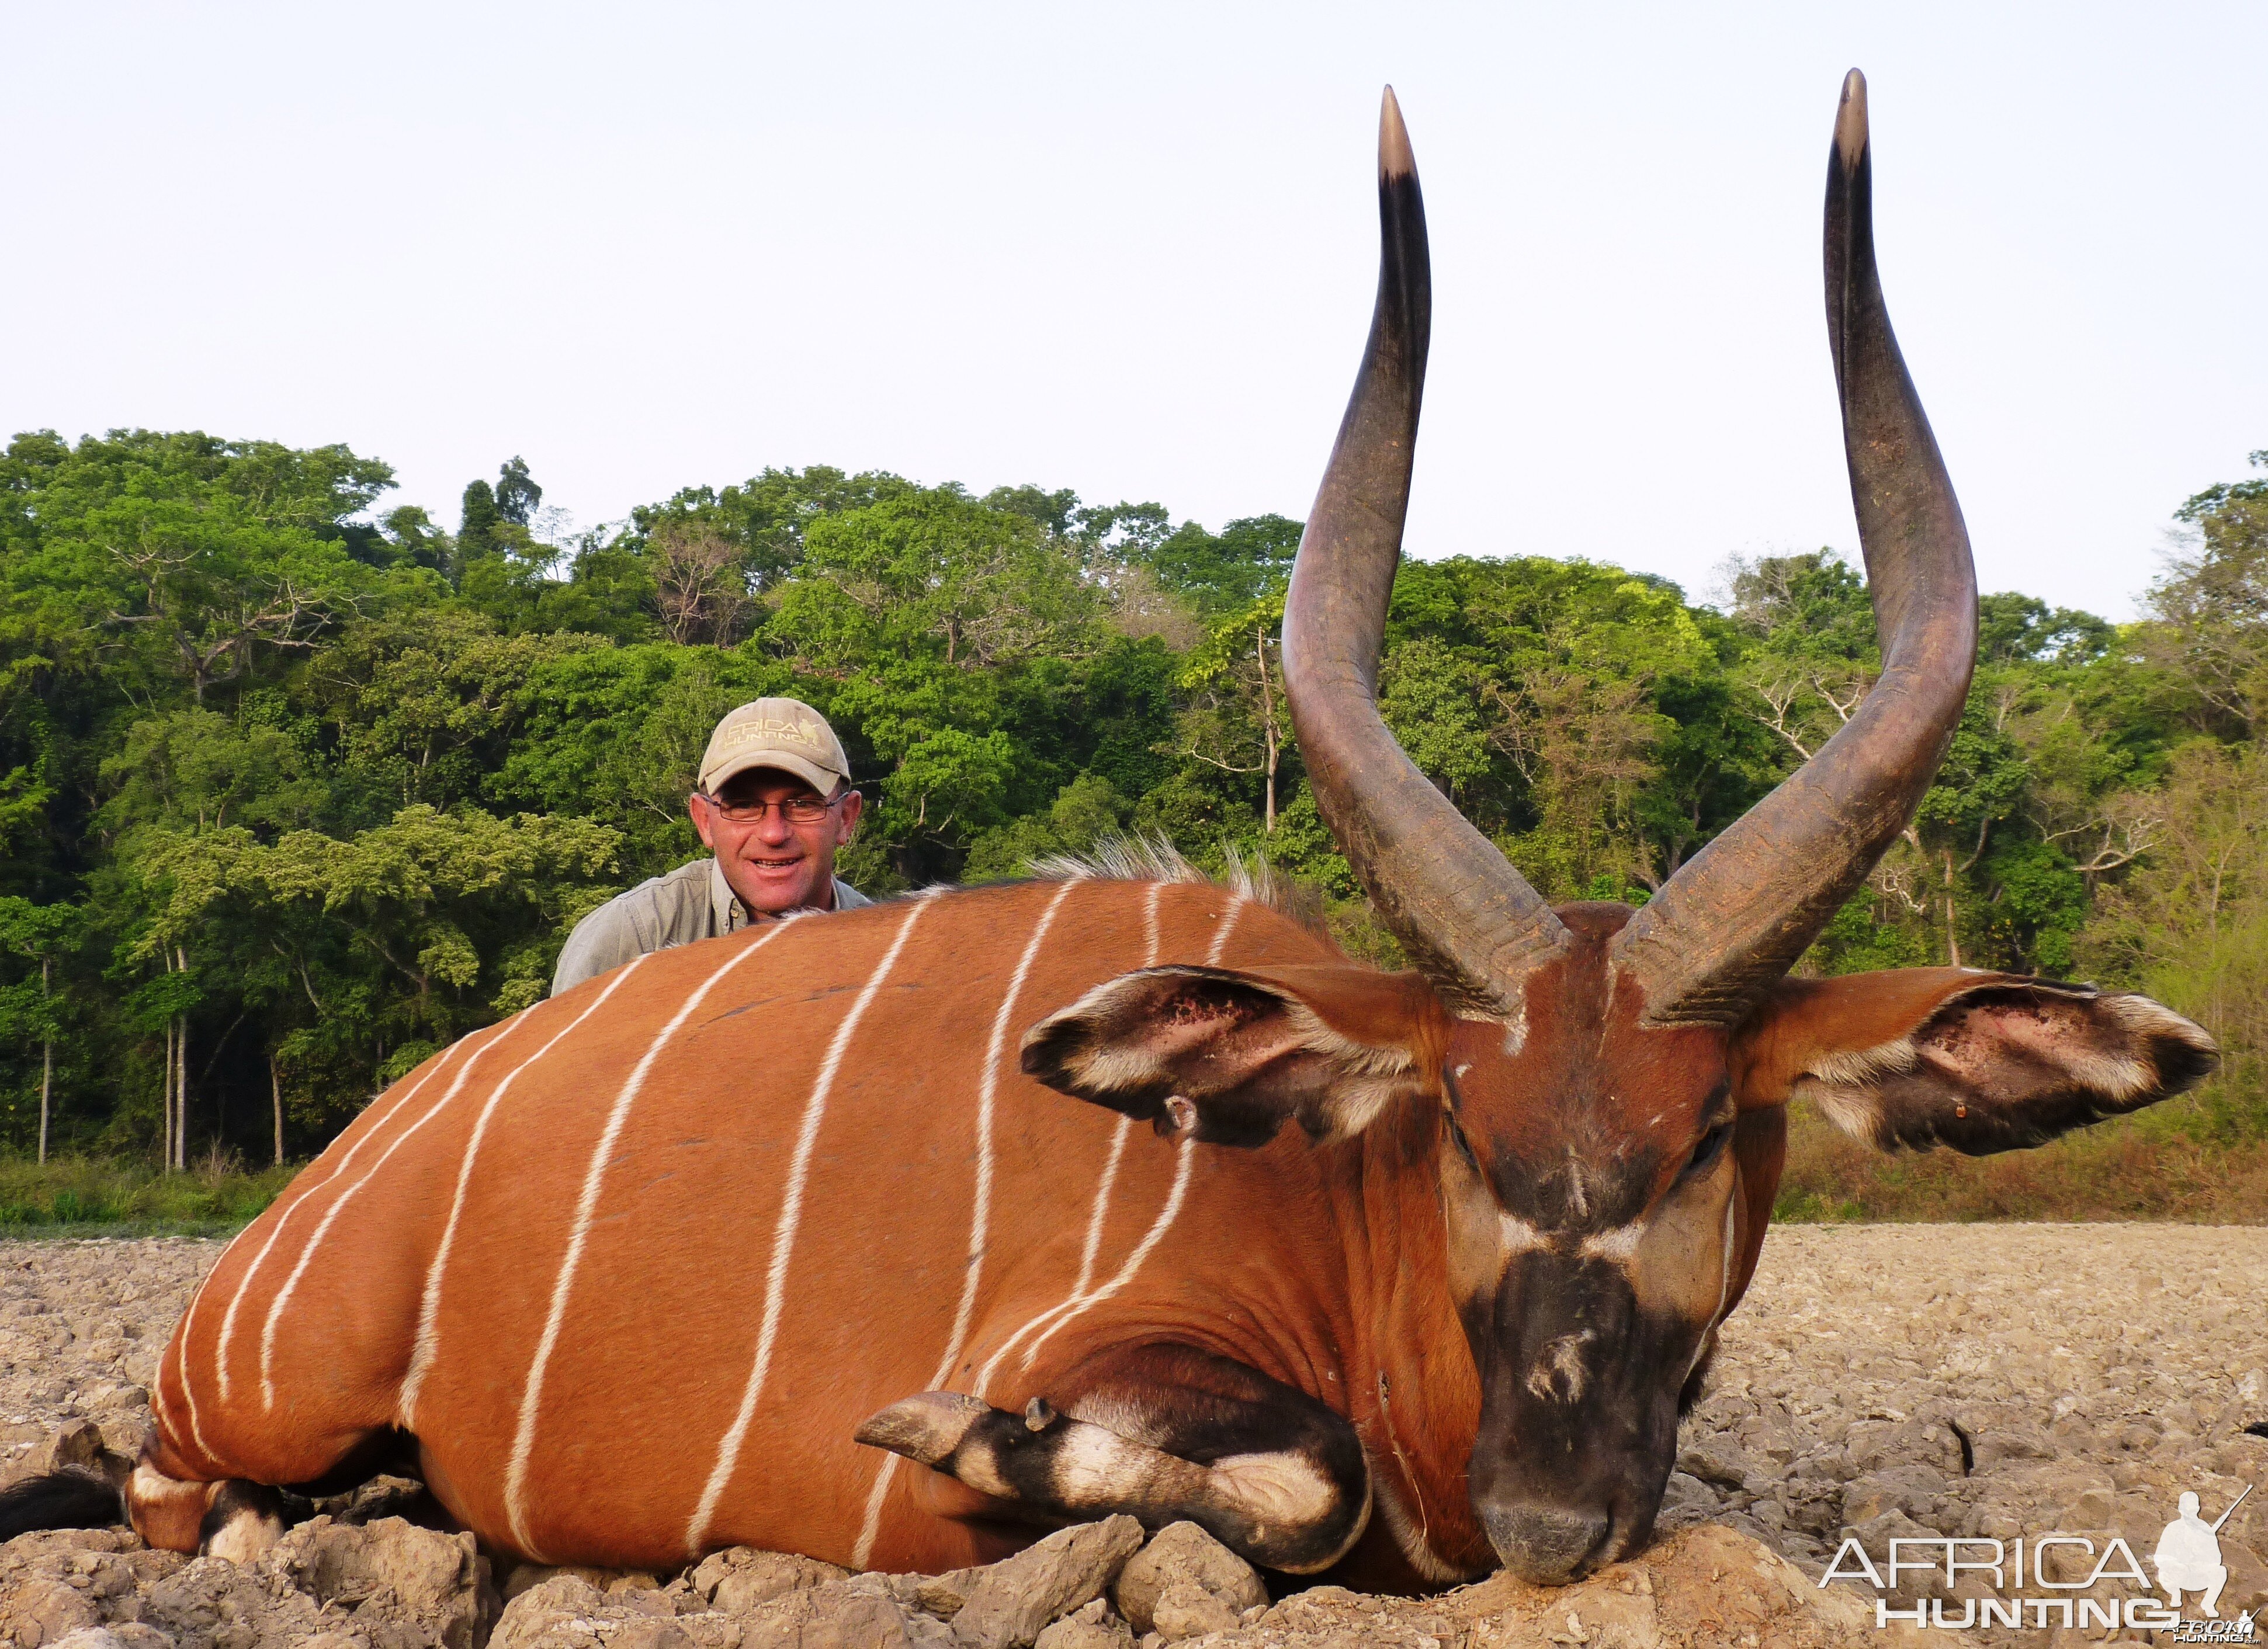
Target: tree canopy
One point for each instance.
(296, 787)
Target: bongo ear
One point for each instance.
(1234, 1056)
(1979, 1062)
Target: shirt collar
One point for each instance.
(727, 914)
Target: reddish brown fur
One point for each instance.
(1333, 1287)
(169, 1514)
(1591, 1084)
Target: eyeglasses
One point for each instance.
(796, 810)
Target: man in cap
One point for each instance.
(773, 803)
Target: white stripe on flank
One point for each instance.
(1080, 1299)
(1118, 1151)
(783, 1233)
(983, 1381)
(182, 1367)
(323, 1226)
(1095, 1216)
(158, 1402)
(1150, 1240)
(1236, 902)
(1118, 1135)
(980, 1217)
(345, 1161)
(872, 1525)
(429, 1312)
(1102, 1205)
(531, 1396)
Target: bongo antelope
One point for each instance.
(842, 1237)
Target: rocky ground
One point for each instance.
(1881, 1382)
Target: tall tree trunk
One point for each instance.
(181, 1110)
(1267, 721)
(1952, 939)
(276, 1092)
(165, 1104)
(182, 1099)
(47, 1057)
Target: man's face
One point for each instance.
(775, 838)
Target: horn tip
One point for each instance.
(1851, 120)
(1394, 159)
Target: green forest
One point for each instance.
(298, 786)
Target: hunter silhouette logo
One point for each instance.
(2187, 1557)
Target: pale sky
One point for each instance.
(1131, 250)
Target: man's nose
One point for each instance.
(773, 829)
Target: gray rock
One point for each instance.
(534, 1612)
(75, 1443)
(943, 1594)
(123, 1434)
(44, 1610)
(1078, 1629)
(389, 1570)
(1716, 1460)
(839, 1616)
(739, 1577)
(211, 1603)
(1185, 1609)
(1072, 1632)
(1915, 1490)
(2011, 1440)
(1013, 1599)
(1685, 1499)
(525, 1577)
(904, 1590)
(1184, 1554)
(649, 1633)
(561, 1618)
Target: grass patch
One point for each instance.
(96, 1196)
(2188, 1160)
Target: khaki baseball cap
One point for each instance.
(785, 733)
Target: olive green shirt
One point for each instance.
(694, 901)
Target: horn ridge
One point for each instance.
(1467, 919)
(1739, 912)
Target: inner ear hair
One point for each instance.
(1246, 1051)
(1124, 1037)
(2005, 1062)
